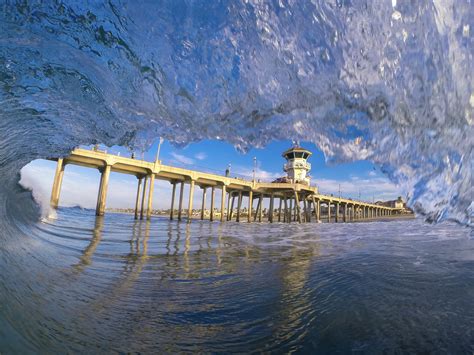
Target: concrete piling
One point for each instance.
(104, 185)
(57, 183)
(137, 199)
(173, 193)
(180, 203)
(150, 196)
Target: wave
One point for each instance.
(362, 80)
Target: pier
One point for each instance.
(290, 199)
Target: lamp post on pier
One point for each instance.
(158, 150)
(254, 167)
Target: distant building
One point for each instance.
(398, 203)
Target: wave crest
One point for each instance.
(362, 80)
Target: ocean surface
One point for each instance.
(100, 284)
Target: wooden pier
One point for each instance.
(296, 202)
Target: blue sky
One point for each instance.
(80, 184)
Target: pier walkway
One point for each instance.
(296, 202)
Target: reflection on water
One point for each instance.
(117, 283)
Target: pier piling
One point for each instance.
(223, 202)
(213, 193)
(150, 196)
(57, 183)
(203, 205)
(104, 185)
(180, 204)
(250, 207)
(137, 199)
(173, 193)
(190, 202)
(142, 210)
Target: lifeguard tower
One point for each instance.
(296, 165)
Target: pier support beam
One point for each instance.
(203, 205)
(305, 209)
(230, 214)
(104, 185)
(270, 209)
(329, 212)
(290, 211)
(58, 181)
(337, 212)
(256, 210)
(250, 207)
(239, 205)
(137, 199)
(223, 203)
(297, 205)
(190, 202)
(260, 211)
(317, 209)
(213, 193)
(142, 209)
(310, 210)
(150, 196)
(180, 204)
(279, 209)
(173, 193)
(295, 212)
(228, 205)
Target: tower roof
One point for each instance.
(296, 149)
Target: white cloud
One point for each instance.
(200, 156)
(372, 173)
(260, 174)
(182, 159)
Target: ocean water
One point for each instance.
(112, 283)
(388, 81)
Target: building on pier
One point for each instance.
(289, 199)
(297, 166)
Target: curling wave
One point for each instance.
(362, 80)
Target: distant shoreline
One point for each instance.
(196, 216)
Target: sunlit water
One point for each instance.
(113, 283)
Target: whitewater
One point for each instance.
(385, 81)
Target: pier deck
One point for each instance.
(297, 202)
